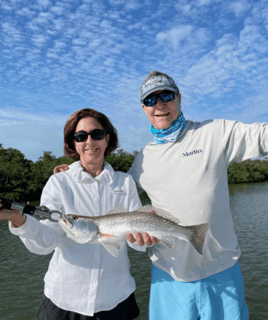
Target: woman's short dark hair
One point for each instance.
(70, 126)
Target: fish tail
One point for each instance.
(198, 236)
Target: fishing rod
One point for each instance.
(41, 212)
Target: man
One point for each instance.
(184, 171)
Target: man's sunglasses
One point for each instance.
(165, 96)
(96, 134)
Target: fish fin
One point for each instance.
(112, 248)
(92, 235)
(160, 212)
(118, 209)
(167, 242)
(81, 238)
(198, 236)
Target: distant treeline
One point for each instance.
(22, 179)
(248, 171)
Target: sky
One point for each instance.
(57, 57)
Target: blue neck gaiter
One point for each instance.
(170, 134)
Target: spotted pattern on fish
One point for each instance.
(116, 225)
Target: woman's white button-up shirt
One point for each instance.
(83, 278)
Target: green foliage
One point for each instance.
(23, 180)
(14, 173)
(121, 160)
(248, 171)
(42, 169)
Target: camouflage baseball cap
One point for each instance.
(155, 83)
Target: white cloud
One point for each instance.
(5, 6)
(25, 12)
(57, 10)
(11, 33)
(239, 7)
(136, 26)
(133, 5)
(62, 56)
(185, 8)
(39, 40)
(116, 2)
(21, 116)
(105, 24)
(79, 42)
(175, 35)
(204, 2)
(44, 3)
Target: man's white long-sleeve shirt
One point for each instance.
(83, 278)
(188, 178)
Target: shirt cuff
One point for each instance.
(29, 227)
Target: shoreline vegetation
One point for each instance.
(23, 180)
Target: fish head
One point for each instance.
(79, 229)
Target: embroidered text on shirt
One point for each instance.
(187, 154)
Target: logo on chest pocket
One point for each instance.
(119, 191)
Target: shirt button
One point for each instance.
(95, 282)
(96, 198)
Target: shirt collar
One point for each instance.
(106, 176)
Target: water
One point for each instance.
(22, 273)
(249, 209)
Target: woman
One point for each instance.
(83, 281)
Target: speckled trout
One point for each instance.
(110, 229)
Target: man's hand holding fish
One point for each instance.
(142, 239)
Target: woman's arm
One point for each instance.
(40, 237)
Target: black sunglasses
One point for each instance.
(165, 96)
(96, 134)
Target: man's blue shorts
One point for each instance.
(218, 297)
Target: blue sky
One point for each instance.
(60, 56)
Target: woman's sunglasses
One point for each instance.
(96, 134)
(165, 96)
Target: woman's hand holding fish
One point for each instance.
(14, 216)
